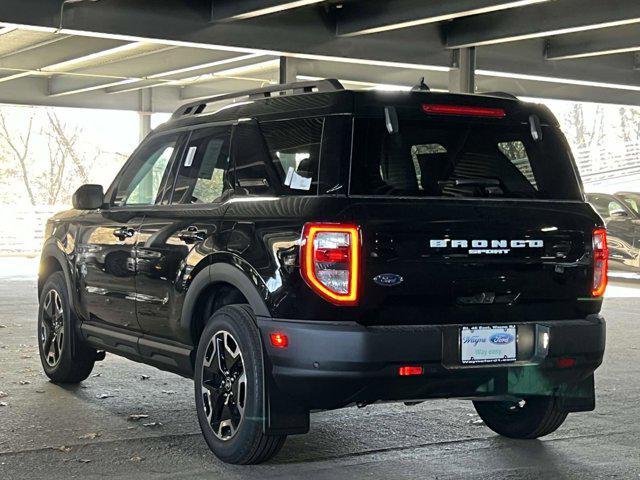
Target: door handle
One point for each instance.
(123, 233)
(192, 235)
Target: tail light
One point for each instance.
(330, 261)
(600, 262)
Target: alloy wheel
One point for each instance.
(52, 328)
(224, 385)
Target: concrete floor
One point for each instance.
(47, 431)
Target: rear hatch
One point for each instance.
(469, 219)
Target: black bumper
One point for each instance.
(333, 364)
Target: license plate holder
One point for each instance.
(488, 344)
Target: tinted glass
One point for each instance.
(457, 158)
(252, 172)
(632, 200)
(202, 172)
(605, 205)
(294, 148)
(143, 179)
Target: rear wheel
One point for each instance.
(529, 418)
(64, 356)
(229, 388)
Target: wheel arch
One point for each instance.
(53, 260)
(213, 287)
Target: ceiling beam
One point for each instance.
(607, 41)
(34, 91)
(225, 10)
(544, 20)
(56, 53)
(190, 75)
(153, 65)
(366, 17)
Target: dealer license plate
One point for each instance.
(488, 344)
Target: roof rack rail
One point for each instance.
(510, 96)
(296, 88)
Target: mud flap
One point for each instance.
(283, 416)
(577, 397)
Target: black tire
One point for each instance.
(537, 417)
(72, 360)
(242, 441)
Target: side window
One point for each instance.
(294, 147)
(516, 152)
(615, 208)
(252, 172)
(202, 173)
(143, 180)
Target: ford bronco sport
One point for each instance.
(303, 247)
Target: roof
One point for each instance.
(305, 99)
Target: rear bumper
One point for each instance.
(333, 364)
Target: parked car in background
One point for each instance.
(620, 213)
(631, 199)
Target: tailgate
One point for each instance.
(436, 261)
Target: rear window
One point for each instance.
(461, 158)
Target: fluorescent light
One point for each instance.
(247, 69)
(94, 87)
(567, 81)
(377, 63)
(93, 56)
(181, 81)
(549, 33)
(275, 9)
(444, 17)
(206, 65)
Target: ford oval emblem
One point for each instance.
(501, 338)
(388, 280)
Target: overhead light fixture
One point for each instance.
(247, 69)
(93, 56)
(442, 18)
(567, 81)
(275, 9)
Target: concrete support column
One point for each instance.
(462, 76)
(144, 112)
(288, 71)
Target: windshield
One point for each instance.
(461, 158)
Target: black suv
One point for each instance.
(303, 247)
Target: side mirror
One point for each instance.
(88, 197)
(618, 213)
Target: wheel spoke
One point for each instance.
(52, 328)
(222, 364)
(224, 385)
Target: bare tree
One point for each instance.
(53, 179)
(66, 141)
(19, 146)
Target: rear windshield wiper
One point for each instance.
(472, 182)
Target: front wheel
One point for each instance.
(65, 357)
(229, 388)
(529, 418)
